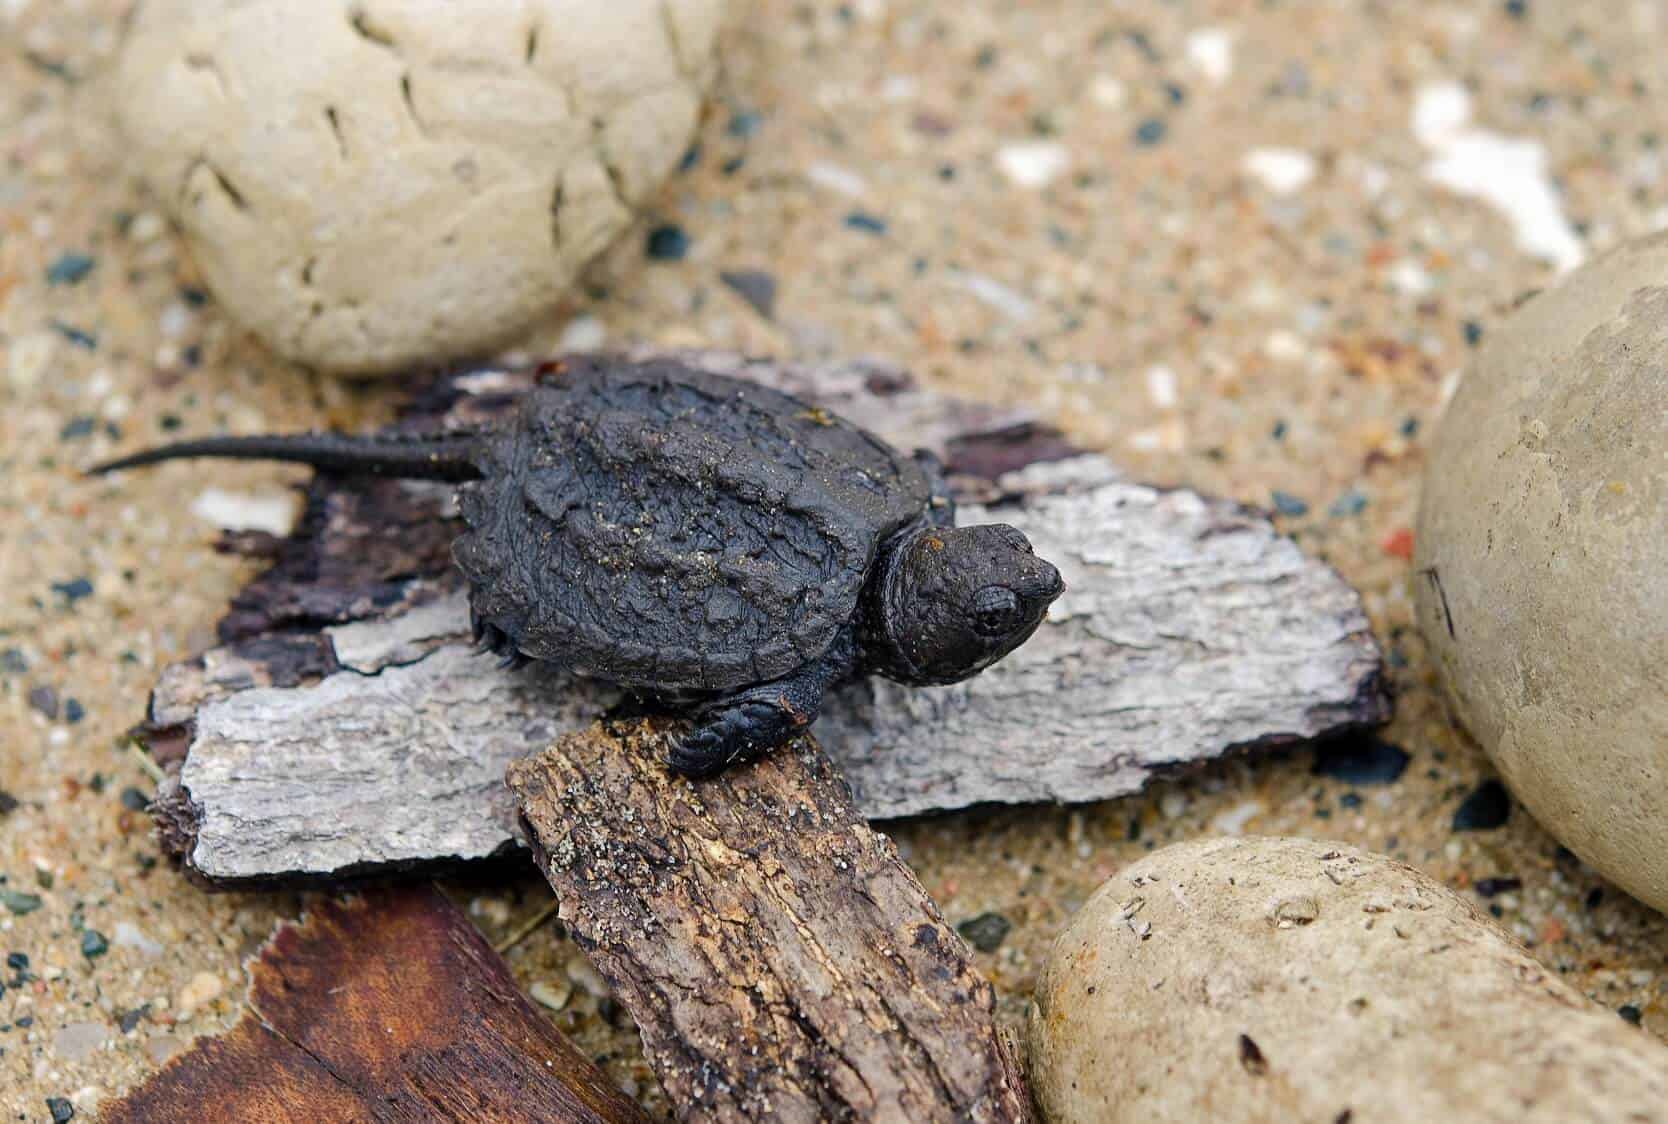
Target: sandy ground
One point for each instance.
(1233, 244)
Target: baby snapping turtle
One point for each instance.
(709, 544)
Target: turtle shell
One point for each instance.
(654, 525)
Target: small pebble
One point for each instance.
(867, 223)
(8, 803)
(1150, 132)
(76, 1041)
(838, 179)
(1282, 171)
(1630, 1013)
(71, 268)
(134, 800)
(546, 995)
(77, 428)
(1287, 504)
(580, 972)
(985, 932)
(129, 935)
(744, 123)
(159, 1048)
(13, 662)
(754, 286)
(1490, 887)
(19, 902)
(74, 711)
(1033, 164)
(128, 1020)
(1485, 809)
(583, 333)
(43, 700)
(204, 988)
(93, 944)
(1350, 503)
(1210, 50)
(61, 1110)
(82, 339)
(667, 243)
(1398, 544)
(74, 589)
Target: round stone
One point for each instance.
(378, 183)
(1541, 566)
(1245, 980)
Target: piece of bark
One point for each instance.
(344, 693)
(387, 1006)
(780, 960)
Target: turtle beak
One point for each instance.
(1042, 584)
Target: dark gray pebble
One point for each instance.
(985, 932)
(1485, 809)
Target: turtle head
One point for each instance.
(953, 601)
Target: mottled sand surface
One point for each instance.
(1239, 246)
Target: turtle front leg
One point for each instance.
(753, 722)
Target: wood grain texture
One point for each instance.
(383, 1007)
(1190, 629)
(779, 958)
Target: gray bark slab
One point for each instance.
(345, 726)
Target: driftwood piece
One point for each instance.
(344, 726)
(779, 958)
(388, 1006)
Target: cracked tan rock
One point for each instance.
(1249, 980)
(378, 183)
(1542, 565)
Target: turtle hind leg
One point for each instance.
(743, 726)
(754, 721)
(490, 638)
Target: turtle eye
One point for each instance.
(995, 610)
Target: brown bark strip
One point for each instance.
(388, 1006)
(780, 959)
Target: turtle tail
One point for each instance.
(447, 456)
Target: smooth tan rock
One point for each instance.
(374, 183)
(1246, 979)
(1541, 570)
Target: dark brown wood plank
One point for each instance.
(779, 958)
(381, 1007)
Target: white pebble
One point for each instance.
(1173, 804)
(204, 988)
(1508, 173)
(583, 333)
(836, 178)
(1211, 51)
(274, 513)
(147, 226)
(899, 88)
(30, 356)
(1161, 386)
(995, 294)
(128, 935)
(76, 1041)
(1107, 92)
(1409, 277)
(1281, 170)
(175, 320)
(588, 978)
(1284, 347)
(1034, 163)
(547, 996)
(1233, 821)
